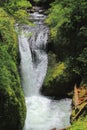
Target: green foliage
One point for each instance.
(57, 16)
(23, 4)
(15, 5)
(17, 9)
(67, 20)
(6, 26)
(80, 124)
(82, 65)
(21, 16)
(12, 103)
(7, 42)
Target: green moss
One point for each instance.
(8, 36)
(80, 124)
(54, 73)
(12, 103)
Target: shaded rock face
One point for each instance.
(44, 3)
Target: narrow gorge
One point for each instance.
(43, 64)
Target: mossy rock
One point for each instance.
(12, 110)
(59, 80)
(12, 102)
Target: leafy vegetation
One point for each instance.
(68, 31)
(17, 9)
(9, 41)
(14, 5)
(21, 17)
(67, 21)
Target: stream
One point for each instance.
(43, 113)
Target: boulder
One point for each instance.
(59, 81)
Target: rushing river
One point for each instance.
(42, 112)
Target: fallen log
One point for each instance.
(80, 111)
(76, 94)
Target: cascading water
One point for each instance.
(42, 112)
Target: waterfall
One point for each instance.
(33, 59)
(42, 112)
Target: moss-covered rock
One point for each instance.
(12, 109)
(12, 102)
(59, 81)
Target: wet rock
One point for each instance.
(53, 129)
(44, 3)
